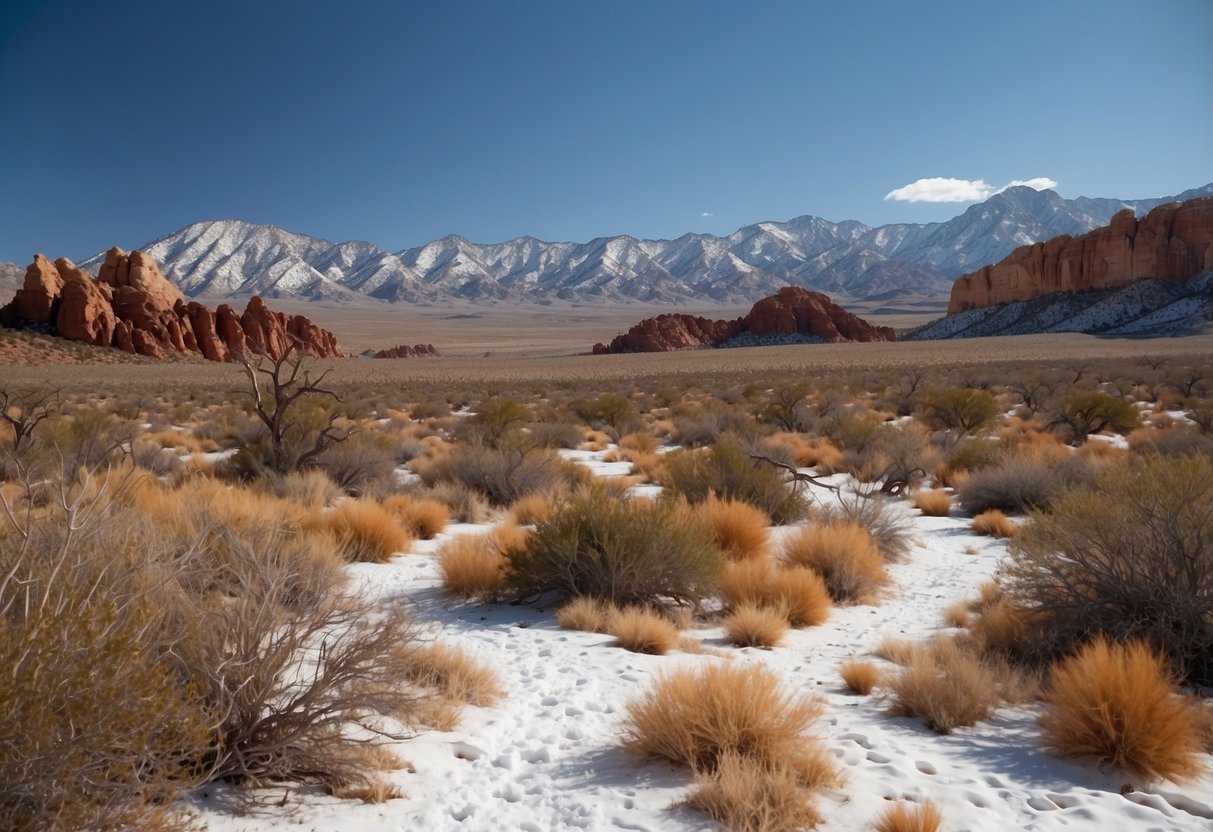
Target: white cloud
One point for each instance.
(707, 214)
(943, 189)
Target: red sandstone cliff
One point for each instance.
(133, 307)
(1172, 242)
(791, 311)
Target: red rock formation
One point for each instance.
(405, 351)
(133, 307)
(1172, 242)
(791, 311)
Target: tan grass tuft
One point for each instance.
(859, 677)
(590, 615)
(945, 685)
(455, 674)
(904, 816)
(957, 615)
(642, 630)
(531, 508)
(423, 517)
(995, 524)
(933, 503)
(473, 566)
(800, 592)
(746, 796)
(892, 649)
(1117, 704)
(751, 625)
(846, 557)
(365, 531)
(741, 530)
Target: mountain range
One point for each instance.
(847, 260)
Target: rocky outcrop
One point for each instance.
(131, 306)
(792, 311)
(1172, 242)
(405, 351)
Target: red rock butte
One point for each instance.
(1172, 242)
(790, 311)
(133, 307)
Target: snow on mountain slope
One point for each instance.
(847, 259)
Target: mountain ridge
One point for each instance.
(235, 258)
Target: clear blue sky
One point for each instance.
(399, 122)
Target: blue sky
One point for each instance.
(399, 122)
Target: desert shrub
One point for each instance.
(505, 474)
(496, 417)
(934, 503)
(844, 555)
(1086, 412)
(366, 531)
(859, 677)
(959, 410)
(970, 455)
(726, 470)
(466, 504)
(944, 685)
(799, 593)
(1105, 560)
(624, 551)
(590, 615)
(532, 508)
(607, 409)
(473, 566)
(904, 816)
(694, 717)
(555, 434)
(889, 527)
(642, 630)
(747, 796)
(752, 625)
(1015, 485)
(424, 518)
(1117, 704)
(358, 462)
(739, 529)
(895, 458)
(994, 524)
(311, 487)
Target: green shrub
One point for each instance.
(1087, 412)
(504, 474)
(726, 470)
(1129, 556)
(623, 551)
(959, 410)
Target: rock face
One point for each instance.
(405, 351)
(792, 311)
(1172, 242)
(133, 307)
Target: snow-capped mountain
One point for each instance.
(849, 260)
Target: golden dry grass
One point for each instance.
(859, 677)
(473, 566)
(741, 530)
(894, 649)
(590, 615)
(1117, 705)
(957, 615)
(425, 518)
(747, 796)
(365, 531)
(800, 592)
(642, 630)
(531, 508)
(696, 716)
(642, 442)
(904, 816)
(844, 555)
(750, 625)
(932, 503)
(1002, 627)
(994, 523)
(455, 674)
(945, 685)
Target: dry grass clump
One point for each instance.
(726, 470)
(1004, 628)
(933, 503)
(890, 528)
(751, 625)
(899, 651)
(424, 518)
(736, 728)
(1117, 704)
(590, 615)
(859, 677)
(642, 630)
(530, 509)
(311, 487)
(994, 523)
(454, 673)
(904, 816)
(845, 556)
(945, 685)
(739, 529)
(365, 531)
(467, 505)
(474, 566)
(746, 796)
(810, 452)
(799, 592)
(957, 615)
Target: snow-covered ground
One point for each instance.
(547, 756)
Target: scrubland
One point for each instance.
(884, 595)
